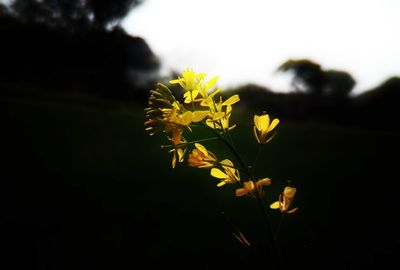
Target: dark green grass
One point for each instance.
(84, 186)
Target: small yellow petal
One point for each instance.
(201, 148)
(186, 118)
(249, 185)
(257, 122)
(217, 173)
(218, 116)
(241, 192)
(275, 205)
(232, 100)
(220, 184)
(199, 115)
(227, 163)
(264, 122)
(274, 123)
(173, 160)
(264, 182)
(174, 81)
(289, 192)
(181, 154)
(211, 83)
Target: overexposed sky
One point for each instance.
(245, 41)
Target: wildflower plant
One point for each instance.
(202, 106)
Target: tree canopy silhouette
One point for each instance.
(75, 15)
(309, 77)
(74, 45)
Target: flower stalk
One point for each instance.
(168, 115)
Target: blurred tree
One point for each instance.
(3, 9)
(338, 84)
(74, 45)
(378, 105)
(75, 15)
(309, 77)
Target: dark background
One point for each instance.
(84, 187)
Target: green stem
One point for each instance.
(271, 238)
(191, 142)
(234, 152)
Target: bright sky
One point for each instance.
(246, 40)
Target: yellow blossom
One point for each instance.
(201, 157)
(194, 85)
(252, 189)
(176, 122)
(161, 103)
(177, 155)
(220, 112)
(230, 175)
(262, 126)
(285, 200)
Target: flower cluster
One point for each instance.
(202, 106)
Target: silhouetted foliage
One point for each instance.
(103, 62)
(294, 106)
(309, 77)
(74, 15)
(330, 103)
(377, 107)
(338, 84)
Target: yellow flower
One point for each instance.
(176, 122)
(195, 85)
(220, 112)
(252, 189)
(177, 155)
(201, 157)
(190, 80)
(262, 127)
(161, 103)
(285, 200)
(230, 175)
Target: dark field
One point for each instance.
(84, 187)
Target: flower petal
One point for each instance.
(289, 192)
(227, 163)
(199, 115)
(257, 121)
(211, 83)
(181, 154)
(264, 122)
(186, 118)
(249, 185)
(232, 100)
(241, 192)
(264, 182)
(275, 205)
(217, 173)
(220, 184)
(274, 123)
(201, 148)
